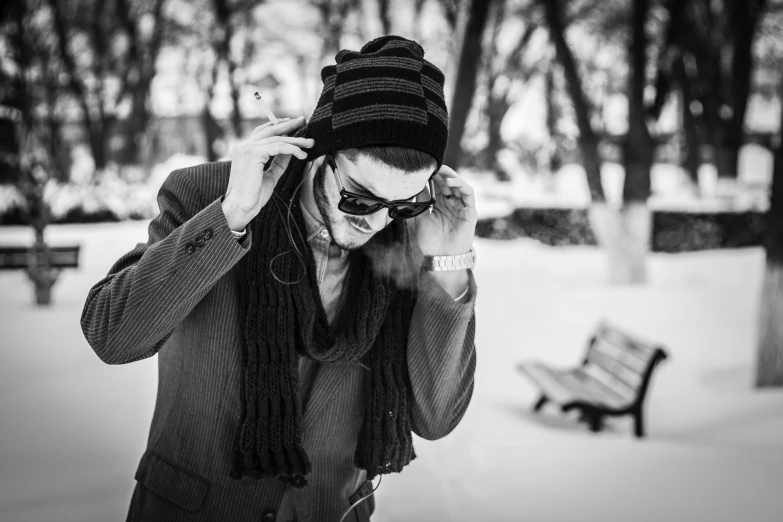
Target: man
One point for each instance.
(303, 325)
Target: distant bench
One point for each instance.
(41, 264)
(612, 380)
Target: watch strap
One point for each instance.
(446, 263)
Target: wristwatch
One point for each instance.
(444, 263)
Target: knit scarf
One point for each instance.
(283, 321)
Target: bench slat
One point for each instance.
(15, 258)
(563, 387)
(624, 392)
(546, 379)
(616, 337)
(629, 359)
(593, 391)
(619, 371)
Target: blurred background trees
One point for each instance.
(618, 106)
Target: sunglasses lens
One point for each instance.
(358, 206)
(407, 211)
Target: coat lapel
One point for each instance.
(337, 384)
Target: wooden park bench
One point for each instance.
(612, 380)
(41, 263)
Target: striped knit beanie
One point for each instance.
(386, 94)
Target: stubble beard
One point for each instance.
(328, 214)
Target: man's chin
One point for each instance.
(352, 239)
(351, 243)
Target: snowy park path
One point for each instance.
(73, 428)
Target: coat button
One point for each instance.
(190, 248)
(200, 241)
(208, 233)
(269, 516)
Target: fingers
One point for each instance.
(458, 185)
(267, 124)
(278, 167)
(451, 185)
(301, 142)
(284, 126)
(275, 148)
(440, 183)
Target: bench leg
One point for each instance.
(638, 423)
(595, 421)
(540, 404)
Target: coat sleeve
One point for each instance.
(441, 358)
(130, 313)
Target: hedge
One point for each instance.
(672, 231)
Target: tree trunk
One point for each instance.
(333, 14)
(588, 142)
(465, 86)
(223, 14)
(418, 6)
(496, 111)
(769, 359)
(497, 103)
(97, 144)
(97, 138)
(744, 21)
(629, 245)
(552, 115)
(638, 147)
(138, 80)
(692, 155)
(212, 131)
(383, 12)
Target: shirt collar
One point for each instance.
(313, 225)
(318, 236)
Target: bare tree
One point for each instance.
(501, 71)
(145, 31)
(673, 76)
(333, 14)
(588, 141)
(222, 37)
(385, 15)
(631, 236)
(744, 20)
(418, 6)
(625, 235)
(93, 65)
(719, 35)
(29, 51)
(467, 69)
(769, 359)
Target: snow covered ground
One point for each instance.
(72, 428)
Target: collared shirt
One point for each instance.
(331, 265)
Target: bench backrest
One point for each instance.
(15, 257)
(621, 363)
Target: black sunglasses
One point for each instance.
(361, 205)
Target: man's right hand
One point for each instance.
(249, 186)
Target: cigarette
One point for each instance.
(264, 106)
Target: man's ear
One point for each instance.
(314, 166)
(317, 162)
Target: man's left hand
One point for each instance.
(450, 227)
